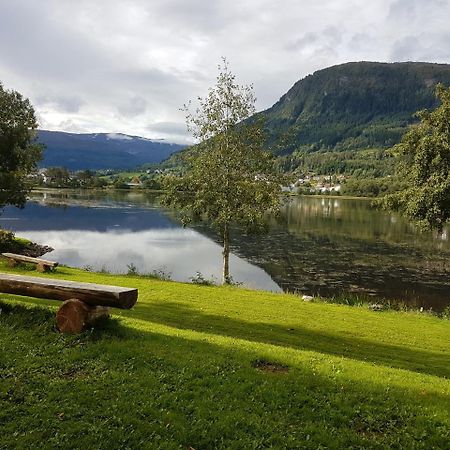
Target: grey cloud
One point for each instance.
(71, 127)
(134, 107)
(410, 9)
(323, 41)
(32, 42)
(200, 15)
(59, 103)
(359, 41)
(177, 131)
(170, 127)
(306, 40)
(426, 47)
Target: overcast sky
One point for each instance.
(128, 66)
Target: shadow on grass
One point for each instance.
(42, 319)
(216, 399)
(184, 317)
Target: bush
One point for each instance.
(132, 269)
(200, 279)
(7, 240)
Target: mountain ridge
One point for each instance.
(78, 151)
(352, 106)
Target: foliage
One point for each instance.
(132, 269)
(365, 163)
(19, 153)
(58, 176)
(160, 273)
(372, 187)
(6, 240)
(424, 162)
(229, 178)
(181, 367)
(199, 278)
(153, 183)
(10, 243)
(61, 177)
(120, 183)
(89, 180)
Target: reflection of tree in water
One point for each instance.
(328, 247)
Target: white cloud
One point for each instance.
(119, 137)
(130, 65)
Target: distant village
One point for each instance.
(316, 184)
(150, 179)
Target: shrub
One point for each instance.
(6, 240)
(132, 269)
(198, 278)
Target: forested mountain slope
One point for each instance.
(352, 106)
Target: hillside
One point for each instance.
(353, 106)
(221, 367)
(101, 150)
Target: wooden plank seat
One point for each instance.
(83, 303)
(42, 265)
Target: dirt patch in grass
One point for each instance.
(269, 366)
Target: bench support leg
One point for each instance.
(12, 263)
(74, 316)
(42, 267)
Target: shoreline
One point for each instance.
(160, 191)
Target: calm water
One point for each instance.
(317, 245)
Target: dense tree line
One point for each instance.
(364, 163)
(372, 187)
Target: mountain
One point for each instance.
(352, 106)
(101, 150)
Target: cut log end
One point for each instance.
(74, 316)
(43, 267)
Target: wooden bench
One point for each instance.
(83, 303)
(42, 265)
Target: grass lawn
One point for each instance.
(207, 367)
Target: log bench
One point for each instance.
(83, 303)
(42, 265)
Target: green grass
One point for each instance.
(22, 241)
(178, 371)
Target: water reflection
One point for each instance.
(317, 245)
(111, 232)
(331, 246)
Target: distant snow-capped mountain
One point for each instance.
(102, 150)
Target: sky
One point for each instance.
(129, 66)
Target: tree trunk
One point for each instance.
(226, 255)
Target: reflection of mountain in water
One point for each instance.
(64, 214)
(332, 246)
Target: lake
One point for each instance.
(325, 246)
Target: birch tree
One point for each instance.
(228, 178)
